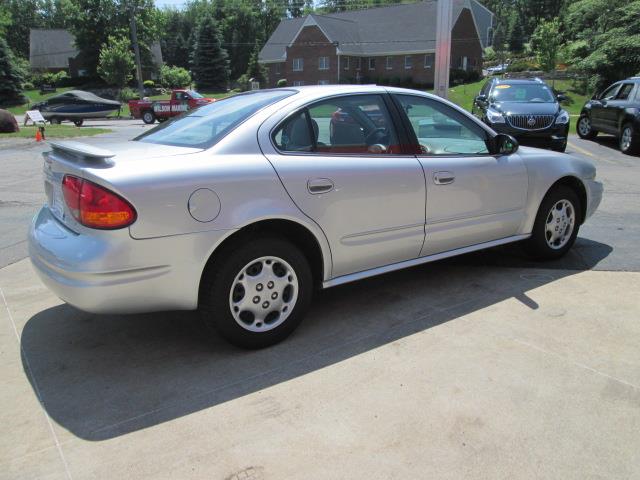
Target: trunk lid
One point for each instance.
(87, 161)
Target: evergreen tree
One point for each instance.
(516, 37)
(254, 69)
(10, 76)
(209, 64)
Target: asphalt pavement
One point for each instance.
(483, 366)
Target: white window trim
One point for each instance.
(300, 62)
(359, 64)
(410, 58)
(374, 61)
(320, 67)
(298, 83)
(387, 63)
(346, 62)
(429, 55)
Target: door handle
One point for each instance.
(443, 178)
(319, 185)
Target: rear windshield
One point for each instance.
(522, 92)
(205, 126)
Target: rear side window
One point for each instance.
(354, 124)
(207, 125)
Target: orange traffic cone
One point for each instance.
(38, 136)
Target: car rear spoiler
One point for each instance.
(81, 152)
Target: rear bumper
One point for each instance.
(110, 272)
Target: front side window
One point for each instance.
(355, 124)
(372, 63)
(408, 62)
(609, 93)
(624, 92)
(205, 126)
(323, 63)
(298, 64)
(194, 94)
(441, 130)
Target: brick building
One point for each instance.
(394, 44)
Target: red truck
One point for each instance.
(161, 110)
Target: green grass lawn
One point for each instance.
(463, 95)
(56, 131)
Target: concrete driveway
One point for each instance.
(485, 366)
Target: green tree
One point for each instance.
(174, 77)
(254, 69)
(546, 42)
(210, 65)
(10, 77)
(603, 39)
(116, 62)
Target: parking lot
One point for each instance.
(483, 366)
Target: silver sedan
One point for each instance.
(242, 207)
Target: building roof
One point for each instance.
(395, 29)
(52, 48)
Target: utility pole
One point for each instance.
(136, 49)
(443, 48)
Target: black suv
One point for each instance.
(525, 108)
(615, 111)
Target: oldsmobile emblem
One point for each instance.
(531, 120)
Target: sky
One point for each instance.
(170, 3)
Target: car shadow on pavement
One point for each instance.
(104, 376)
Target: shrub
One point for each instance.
(149, 84)
(127, 94)
(27, 86)
(521, 66)
(174, 77)
(281, 83)
(458, 76)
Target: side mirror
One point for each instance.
(562, 97)
(504, 144)
(481, 98)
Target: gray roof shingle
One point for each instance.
(402, 28)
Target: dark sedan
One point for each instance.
(615, 111)
(526, 109)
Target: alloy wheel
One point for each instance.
(625, 139)
(560, 223)
(584, 126)
(263, 294)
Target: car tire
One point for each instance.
(255, 294)
(148, 117)
(629, 140)
(556, 225)
(78, 123)
(55, 120)
(584, 129)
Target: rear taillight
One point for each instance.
(95, 206)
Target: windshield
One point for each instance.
(522, 92)
(205, 126)
(193, 94)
